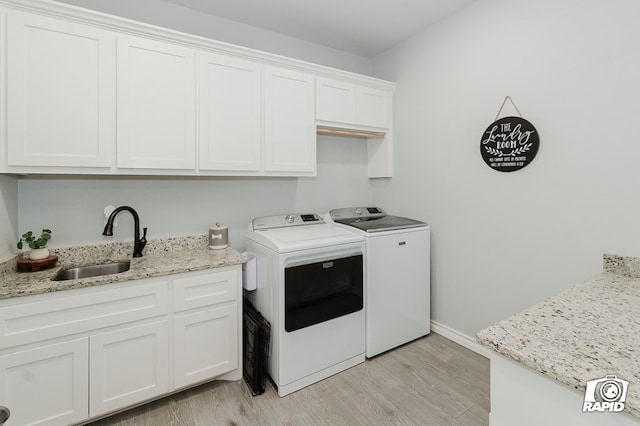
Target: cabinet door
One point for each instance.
(128, 366)
(290, 133)
(156, 105)
(46, 385)
(335, 101)
(230, 111)
(373, 107)
(60, 92)
(206, 344)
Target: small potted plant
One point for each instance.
(37, 246)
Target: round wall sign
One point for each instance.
(509, 144)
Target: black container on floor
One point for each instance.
(256, 332)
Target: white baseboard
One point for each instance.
(460, 338)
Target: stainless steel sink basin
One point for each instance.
(92, 271)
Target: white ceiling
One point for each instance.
(362, 27)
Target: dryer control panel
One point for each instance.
(279, 221)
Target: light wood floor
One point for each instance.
(431, 381)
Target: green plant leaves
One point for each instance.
(33, 242)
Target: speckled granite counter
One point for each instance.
(584, 333)
(161, 257)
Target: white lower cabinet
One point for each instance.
(121, 345)
(205, 344)
(46, 385)
(128, 366)
(206, 325)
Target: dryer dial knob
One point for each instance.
(289, 218)
(358, 211)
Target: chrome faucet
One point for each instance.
(138, 243)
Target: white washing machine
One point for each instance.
(310, 287)
(398, 269)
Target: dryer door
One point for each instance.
(322, 289)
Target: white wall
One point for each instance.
(8, 216)
(504, 241)
(168, 15)
(73, 207)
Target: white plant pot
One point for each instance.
(39, 253)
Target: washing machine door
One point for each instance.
(380, 224)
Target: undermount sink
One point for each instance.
(92, 271)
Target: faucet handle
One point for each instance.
(139, 245)
(143, 240)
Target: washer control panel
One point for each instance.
(356, 212)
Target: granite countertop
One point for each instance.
(160, 257)
(584, 333)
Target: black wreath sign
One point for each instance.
(509, 144)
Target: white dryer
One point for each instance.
(398, 268)
(310, 287)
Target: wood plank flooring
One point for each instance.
(430, 381)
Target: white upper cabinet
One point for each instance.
(335, 101)
(290, 134)
(373, 107)
(60, 92)
(89, 93)
(347, 103)
(156, 105)
(230, 113)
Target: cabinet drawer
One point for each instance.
(204, 290)
(46, 319)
